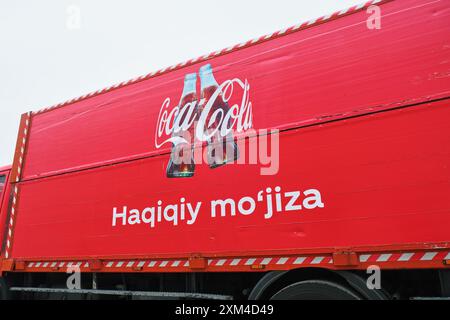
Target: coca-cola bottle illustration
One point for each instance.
(182, 165)
(227, 145)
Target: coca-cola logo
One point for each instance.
(213, 115)
(209, 121)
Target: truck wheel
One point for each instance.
(4, 292)
(315, 290)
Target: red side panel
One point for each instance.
(326, 72)
(383, 177)
(384, 180)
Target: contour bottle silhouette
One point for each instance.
(221, 150)
(182, 165)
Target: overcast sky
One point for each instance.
(48, 55)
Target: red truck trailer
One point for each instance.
(337, 160)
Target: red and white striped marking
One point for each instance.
(405, 257)
(288, 262)
(13, 213)
(23, 144)
(184, 263)
(298, 27)
(11, 223)
(271, 261)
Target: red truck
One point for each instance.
(336, 164)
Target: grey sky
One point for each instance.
(44, 62)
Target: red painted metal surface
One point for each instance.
(5, 190)
(5, 168)
(365, 120)
(334, 70)
(382, 182)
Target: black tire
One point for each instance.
(315, 290)
(4, 291)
